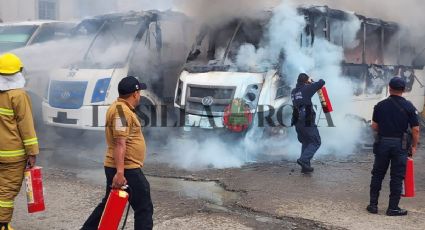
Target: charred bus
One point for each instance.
(210, 80)
(141, 44)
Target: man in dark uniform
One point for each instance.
(391, 118)
(304, 119)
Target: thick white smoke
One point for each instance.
(198, 154)
(322, 60)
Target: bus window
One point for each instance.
(391, 46)
(145, 60)
(320, 26)
(173, 41)
(307, 35)
(52, 31)
(354, 53)
(357, 76)
(407, 51)
(373, 44)
(13, 37)
(336, 31)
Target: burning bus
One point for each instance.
(141, 44)
(211, 81)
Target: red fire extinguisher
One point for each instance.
(409, 180)
(34, 187)
(114, 209)
(324, 100)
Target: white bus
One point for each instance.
(147, 45)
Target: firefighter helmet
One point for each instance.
(10, 64)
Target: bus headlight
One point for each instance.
(251, 95)
(100, 90)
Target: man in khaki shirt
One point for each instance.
(125, 156)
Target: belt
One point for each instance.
(390, 138)
(303, 106)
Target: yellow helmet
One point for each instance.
(10, 64)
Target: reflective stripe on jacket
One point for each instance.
(6, 204)
(17, 133)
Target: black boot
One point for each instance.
(372, 208)
(5, 226)
(396, 212)
(305, 167)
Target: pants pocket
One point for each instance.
(375, 147)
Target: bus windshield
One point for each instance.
(109, 43)
(13, 37)
(220, 46)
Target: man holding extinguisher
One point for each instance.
(18, 140)
(125, 156)
(304, 119)
(391, 120)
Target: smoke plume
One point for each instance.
(322, 60)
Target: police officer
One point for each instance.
(391, 118)
(304, 119)
(125, 156)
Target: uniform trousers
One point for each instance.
(388, 152)
(308, 135)
(140, 200)
(11, 176)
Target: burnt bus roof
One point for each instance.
(148, 16)
(121, 16)
(343, 15)
(264, 16)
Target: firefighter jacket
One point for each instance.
(17, 133)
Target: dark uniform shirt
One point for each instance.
(302, 94)
(392, 122)
(301, 100)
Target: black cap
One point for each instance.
(397, 83)
(302, 78)
(130, 85)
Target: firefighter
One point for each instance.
(391, 119)
(125, 156)
(304, 117)
(18, 140)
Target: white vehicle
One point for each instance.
(140, 44)
(16, 37)
(21, 34)
(207, 85)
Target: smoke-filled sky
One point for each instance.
(407, 12)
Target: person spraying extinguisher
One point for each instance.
(18, 140)
(303, 117)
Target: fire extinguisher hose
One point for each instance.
(130, 196)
